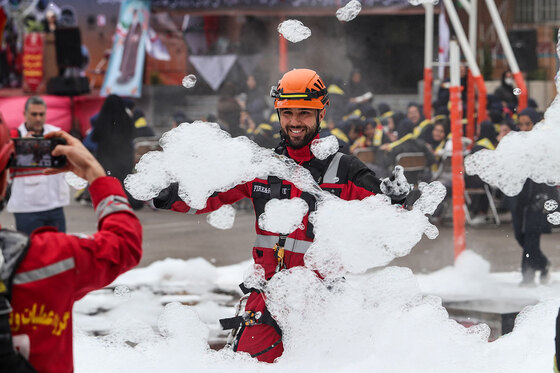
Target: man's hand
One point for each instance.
(80, 160)
(396, 186)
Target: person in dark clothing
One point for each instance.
(406, 143)
(141, 124)
(414, 113)
(113, 131)
(178, 118)
(504, 92)
(384, 109)
(229, 116)
(438, 137)
(255, 104)
(529, 217)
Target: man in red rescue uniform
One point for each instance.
(56, 269)
(300, 100)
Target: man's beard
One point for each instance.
(303, 142)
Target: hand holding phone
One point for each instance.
(79, 160)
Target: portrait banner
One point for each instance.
(126, 65)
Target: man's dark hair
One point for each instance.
(34, 100)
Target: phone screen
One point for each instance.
(36, 152)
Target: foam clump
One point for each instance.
(354, 236)
(515, 159)
(222, 218)
(431, 197)
(255, 277)
(324, 147)
(283, 215)
(75, 181)
(189, 81)
(203, 159)
(349, 11)
(294, 30)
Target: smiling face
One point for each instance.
(299, 125)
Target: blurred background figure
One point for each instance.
(37, 200)
(114, 133)
(529, 217)
(142, 129)
(504, 93)
(178, 118)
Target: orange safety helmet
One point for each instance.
(300, 88)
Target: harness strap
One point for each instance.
(276, 193)
(251, 318)
(268, 348)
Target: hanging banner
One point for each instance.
(32, 61)
(249, 63)
(126, 65)
(213, 69)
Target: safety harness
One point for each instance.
(13, 248)
(241, 320)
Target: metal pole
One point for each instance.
(458, 182)
(428, 59)
(512, 61)
(465, 47)
(473, 19)
(282, 52)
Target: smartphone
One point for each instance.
(36, 152)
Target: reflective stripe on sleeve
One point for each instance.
(110, 205)
(45, 272)
(293, 245)
(330, 175)
(192, 211)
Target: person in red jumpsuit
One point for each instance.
(43, 274)
(301, 98)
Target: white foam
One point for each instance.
(294, 30)
(189, 81)
(222, 218)
(349, 11)
(283, 215)
(75, 181)
(324, 147)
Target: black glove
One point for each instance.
(167, 197)
(396, 186)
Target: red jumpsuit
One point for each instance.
(342, 175)
(59, 269)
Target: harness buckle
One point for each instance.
(251, 318)
(279, 255)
